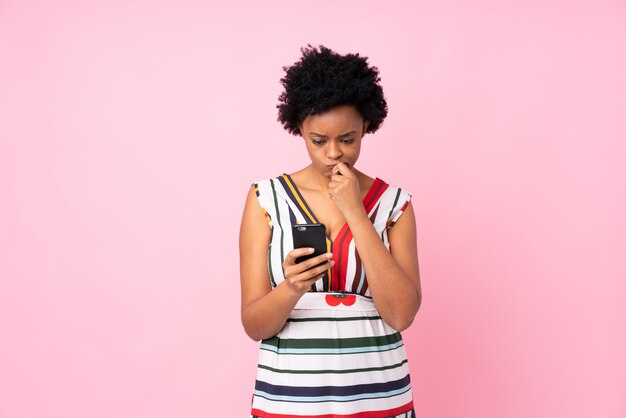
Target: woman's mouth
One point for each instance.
(331, 166)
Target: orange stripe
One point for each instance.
(300, 202)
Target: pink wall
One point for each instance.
(130, 132)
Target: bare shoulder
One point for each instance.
(365, 181)
(403, 245)
(254, 238)
(253, 218)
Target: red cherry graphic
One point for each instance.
(332, 300)
(349, 300)
(335, 300)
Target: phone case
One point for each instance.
(309, 235)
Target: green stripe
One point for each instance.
(395, 202)
(282, 257)
(352, 318)
(365, 369)
(269, 264)
(286, 343)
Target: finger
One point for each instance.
(341, 169)
(322, 267)
(313, 279)
(297, 252)
(314, 261)
(338, 178)
(316, 272)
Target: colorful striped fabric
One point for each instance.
(335, 356)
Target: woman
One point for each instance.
(330, 325)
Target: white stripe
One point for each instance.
(404, 196)
(264, 193)
(386, 204)
(323, 361)
(351, 267)
(321, 408)
(332, 379)
(336, 329)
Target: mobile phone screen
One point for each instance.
(309, 235)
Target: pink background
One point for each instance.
(130, 133)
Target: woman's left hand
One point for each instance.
(344, 189)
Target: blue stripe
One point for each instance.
(361, 280)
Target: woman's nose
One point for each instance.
(333, 151)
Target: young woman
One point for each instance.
(330, 326)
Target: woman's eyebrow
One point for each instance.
(324, 136)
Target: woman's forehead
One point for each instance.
(339, 118)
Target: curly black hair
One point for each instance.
(323, 79)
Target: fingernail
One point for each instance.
(329, 255)
(332, 263)
(310, 250)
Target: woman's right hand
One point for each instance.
(300, 276)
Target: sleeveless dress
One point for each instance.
(335, 356)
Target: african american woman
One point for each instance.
(330, 326)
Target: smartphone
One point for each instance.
(309, 235)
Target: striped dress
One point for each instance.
(335, 356)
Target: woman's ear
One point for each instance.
(365, 125)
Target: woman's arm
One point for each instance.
(392, 276)
(264, 311)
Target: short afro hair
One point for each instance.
(323, 79)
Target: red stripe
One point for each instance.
(335, 267)
(357, 274)
(375, 192)
(375, 185)
(341, 244)
(344, 247)
(367, 414)
(382, 186)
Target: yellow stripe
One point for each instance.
(302, 206)
(330, 275)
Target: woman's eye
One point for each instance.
(345, 141)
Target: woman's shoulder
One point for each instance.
(392, 188)
(263, 181)
(267, 188)
(394, 197)
(394, 201)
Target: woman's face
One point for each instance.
(334, 136)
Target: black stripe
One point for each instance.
(350, 318)
(335, 343)
(340, 400)
(283, 390)
(295, 200)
